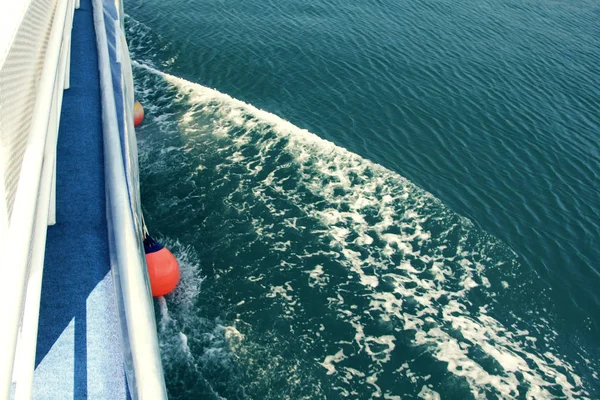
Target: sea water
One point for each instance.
(374, 199)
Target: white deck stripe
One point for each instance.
(105, 375)
(56, 372)
(104, 351)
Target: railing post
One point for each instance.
(63, 81)
(67, 41)
(52, 200)
(52, 132)
(3, 211)
(67, 84)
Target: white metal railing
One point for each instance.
(24, 229)
(136, 311)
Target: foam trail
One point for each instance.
(173, 332)
(409, 279)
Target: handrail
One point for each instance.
(32, 199)
(142, 362)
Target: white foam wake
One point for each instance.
(421, 267)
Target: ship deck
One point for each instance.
(79, 352)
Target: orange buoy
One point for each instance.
(138, 113)
(163, 268)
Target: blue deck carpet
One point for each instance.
(78, 348)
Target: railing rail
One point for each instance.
(142, 361)
(24, 233)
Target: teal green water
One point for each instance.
(380, 199)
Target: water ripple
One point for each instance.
(491, 106)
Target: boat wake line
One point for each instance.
(300, 238)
